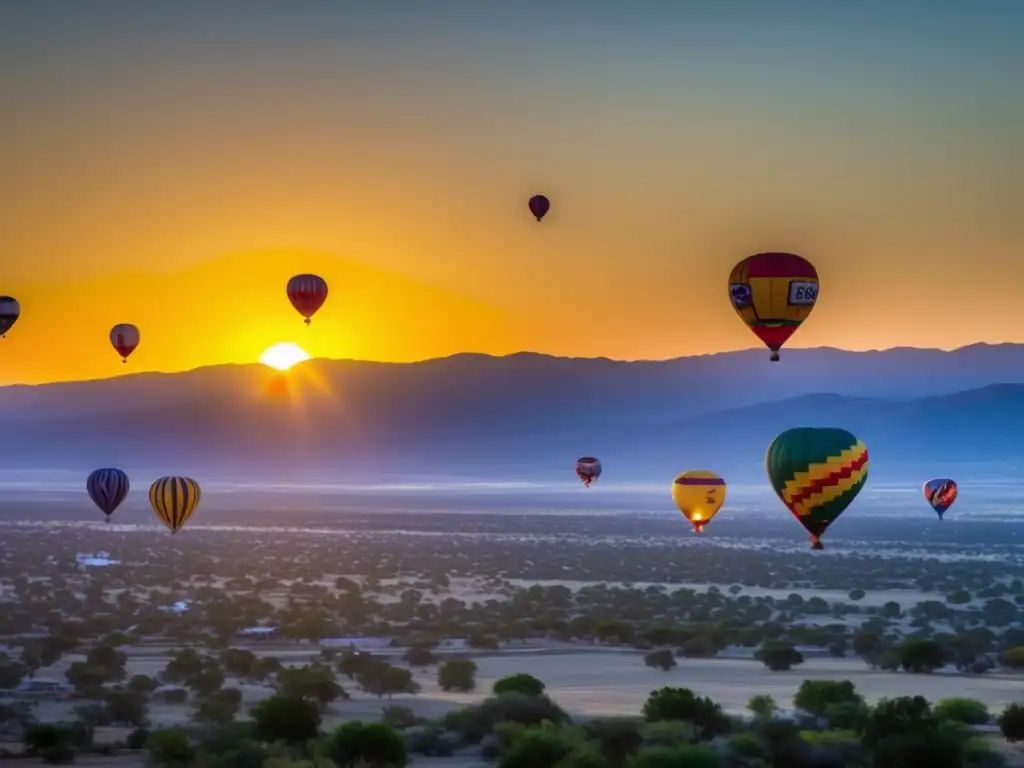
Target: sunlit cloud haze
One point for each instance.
(172, 164)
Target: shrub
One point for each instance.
(962, 710)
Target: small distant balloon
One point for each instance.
(107, 488)
(699, 494)
(588, 469)
(174, 499)
(10, 311)
(539, 206)
(940, 493)
(773, 293)
(125, 338)
(307, 293)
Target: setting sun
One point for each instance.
(283, 356)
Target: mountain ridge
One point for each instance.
(524, 414)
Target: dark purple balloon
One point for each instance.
(539, 206)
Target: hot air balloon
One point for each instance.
(773, 293)
(307, 293)
(940, 493)
(699, 494)
(10, 311)
(107, 488)
(588, 469)
(174, 499)
(817, 473)
(539, 206)
(125, 338)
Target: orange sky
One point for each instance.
(176, 182)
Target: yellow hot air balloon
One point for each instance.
(174, 499)
(699, 494)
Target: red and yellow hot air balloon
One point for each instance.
(773, 293)
(699, 494)
(307, 293)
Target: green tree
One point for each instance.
(1012, 658)
(356, 744)
(127, 708)
(779, 657)
(689, 755)
(958, 597)
(901, 716)
(527, 685)
(616, 737)
(40, 737)
(170, 747)
(315, 683)
(238, 662)
(847, 716)
(762, 706)
(661, 659)
(219, 708)
(683, 704)
(110, 660)
(816, 696)
(207, 680)
(478, 721)
(183, 665)
(286, 718)
(11, 674)
(962, 710)
(142, 684)
(539, 746)
(399, 717)
(914, 749)
(457, 675)
(419, 656)
(869, 645)
(922, 655)
(1011, 723)
(353, 663)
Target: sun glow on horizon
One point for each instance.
(283, 356)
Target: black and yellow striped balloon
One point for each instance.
(174, 499)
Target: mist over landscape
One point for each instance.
(526, 417)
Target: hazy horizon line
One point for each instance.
(523, 352)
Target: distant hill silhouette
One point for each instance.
(524, 415)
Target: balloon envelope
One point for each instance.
(107, 488)
(174, 500)
(124, 337)
(699, 494)
(940, 493)
(773, 293)
(588, 469)
(539, 206)
(10, 311)
(307, 293)
(817, 472)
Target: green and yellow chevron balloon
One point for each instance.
(817, 472)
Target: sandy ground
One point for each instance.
(596, 684)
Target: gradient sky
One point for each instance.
(171, 163)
